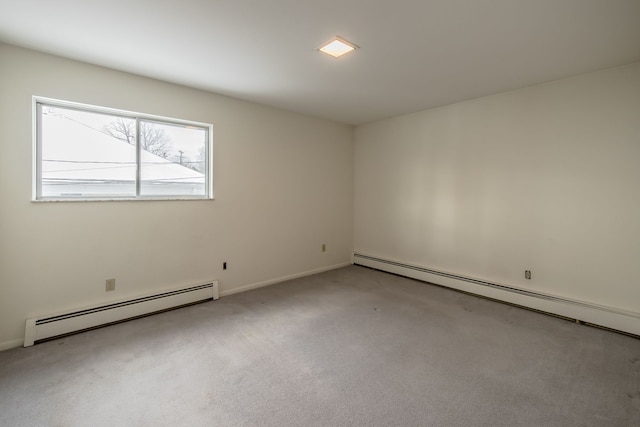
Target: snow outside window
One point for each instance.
(92, 153)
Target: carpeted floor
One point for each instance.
(350, 347)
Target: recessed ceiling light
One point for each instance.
(337, 47)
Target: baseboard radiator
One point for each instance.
(581, 311)
(43, 328)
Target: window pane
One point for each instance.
(84, 155)
(93, 153)
(173, 159)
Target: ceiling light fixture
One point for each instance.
(337, 47)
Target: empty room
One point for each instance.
(291, 213)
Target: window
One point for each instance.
(92, 153)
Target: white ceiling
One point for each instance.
(414, 54)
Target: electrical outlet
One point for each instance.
(527, 274)
(324, 248)
(110, 285)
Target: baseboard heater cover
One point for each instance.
(47, 327)
(595, 314)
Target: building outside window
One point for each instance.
(93, 153)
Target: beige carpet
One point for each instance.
(350, 347)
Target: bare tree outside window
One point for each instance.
(201, 161)
(85, 152)
(152, 137)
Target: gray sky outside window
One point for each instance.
(92, 154)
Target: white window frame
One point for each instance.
(37, 151)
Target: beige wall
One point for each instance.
(543, 178)
(283, 184)
(546, 178)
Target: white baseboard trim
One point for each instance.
(53, 325)
(11, 344)
(596, 314)
(19, 342)
(257, 285)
